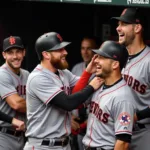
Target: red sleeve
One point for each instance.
(83, 81)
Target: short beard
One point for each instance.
(11, 66)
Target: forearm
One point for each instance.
(21, 106)
(70, 102)
(121, 145)
(16, 102)
(83, 81)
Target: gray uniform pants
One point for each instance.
(10, 142)
(80, 144)
(36, 145)
(141, 140)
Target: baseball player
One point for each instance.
(48, 96)
(111, 114)
(13, 92)
(130, 30)
(79, 116)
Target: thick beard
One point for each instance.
(58, 64)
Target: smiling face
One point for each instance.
(126, 33)
(86, 49)
(58, 59)
(103, 66)
(14, 58)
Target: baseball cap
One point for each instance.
(131, 16)
(12, 42)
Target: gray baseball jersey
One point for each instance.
(10, 83)
(78, 70)
(137, 75)
(46, 120)
(111, 113)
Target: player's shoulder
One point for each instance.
(123, 90)
(78, 65)
(24, 71)
(146, 52)
(4, 71)
(64, 72)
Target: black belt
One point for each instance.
(57, 142)
(11, 132)
(138, 126)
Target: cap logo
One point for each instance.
(12, 40)
(124, 11)
(60, 38)
(114, 56)
(137, 21)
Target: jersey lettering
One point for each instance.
(21, 89)
(66, 89)
(135, 84)
(98, 112)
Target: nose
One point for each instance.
(96, 60)
(64, 51)
(118, 28)
(14, 55)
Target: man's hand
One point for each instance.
(19, 125)
(91, 68)
(74, 124)
(121, 145)
(96, 82)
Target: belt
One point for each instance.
(94, 148)
(57, 142)
(138, 126)
(11, 132)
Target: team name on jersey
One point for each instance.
(21, 89)
(135, 84)
(66, 89)
(98, 112)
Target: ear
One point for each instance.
(46, 55)
(115, 65)
(4, 55)
(137, 28)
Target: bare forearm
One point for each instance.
(22, 106)
(121, 145)
(16, 102)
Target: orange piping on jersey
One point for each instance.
(91, 133)
(40, 69)
(99, 102)
(123, 132)
(52, 96)
(137, 62)
(8, 94)
(111, 91)
(61, 73)
(13, 76)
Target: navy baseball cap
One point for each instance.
(131, 16)
(12, 42)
